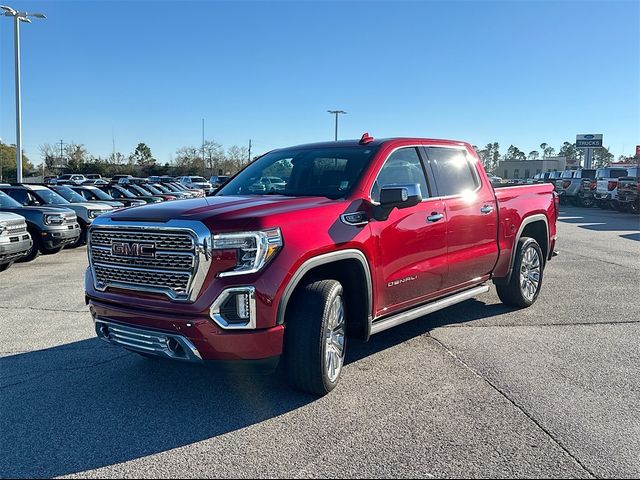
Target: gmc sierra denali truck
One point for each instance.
(365, 235)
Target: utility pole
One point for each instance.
(17, 18)
(249, 152)
(204, 162)
(336, 113)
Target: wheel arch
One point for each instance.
(356, 282)
(535, 226)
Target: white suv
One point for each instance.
(607, 186)
(199, 183)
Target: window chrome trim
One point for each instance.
(216, 316)
(202, 251)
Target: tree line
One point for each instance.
(490, 155)
(208, 159)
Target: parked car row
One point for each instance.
(612, 187)
(44, 219)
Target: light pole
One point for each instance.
(336, 113)
(17, 18)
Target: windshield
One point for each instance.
(124, 192)
(326, 172)
(151, 188)
(140, 190)
(96, 192)
(162, 188)
(568, 174)
(198, 180)
(7, 202)
(70, 194)
(49, 197)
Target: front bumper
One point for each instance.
(53, 238)
(14, 247)
(209, 341)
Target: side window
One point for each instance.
(453, 171)
(403, 166)
(19, 195)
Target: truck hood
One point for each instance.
(219, 208)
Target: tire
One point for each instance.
(522, 289)
(5, 266)
(586, 202)
(52, 251)
(315, 337)
(616, 205)
(81, 239)
(604, 204)
(35, 248)
(634, 207)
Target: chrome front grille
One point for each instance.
(16, 229)
(150, 258)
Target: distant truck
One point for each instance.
(364, 236)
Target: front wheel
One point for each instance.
(586, 202)
(526, 279)
(315, 337)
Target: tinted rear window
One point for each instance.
(611, 172)
(454, 173)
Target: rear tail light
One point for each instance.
(611, 185)
(566, 184)
(593, 185)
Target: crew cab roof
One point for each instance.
(376, 142)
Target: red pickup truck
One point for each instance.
(347, 239)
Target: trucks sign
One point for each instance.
(589, 141)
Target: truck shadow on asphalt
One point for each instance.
(87, 405)
(603, 221)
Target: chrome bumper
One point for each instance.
(151, 342)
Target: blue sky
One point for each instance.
(514, 72)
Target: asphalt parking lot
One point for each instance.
(475, 390)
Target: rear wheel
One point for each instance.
(526, 279)
(315, 339)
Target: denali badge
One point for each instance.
(402, 280)
(132, 249)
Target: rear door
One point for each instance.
(472, 214)
(411, 244)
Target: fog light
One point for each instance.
(242, 304)
(235, 308)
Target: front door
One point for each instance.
(412, 242)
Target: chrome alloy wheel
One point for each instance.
(530, 273)
(334, 343)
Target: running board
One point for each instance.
(404, 317)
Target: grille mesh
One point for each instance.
(172, 269)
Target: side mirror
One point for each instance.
(397, 196)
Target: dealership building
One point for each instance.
(528, 168)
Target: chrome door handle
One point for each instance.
(434, 217)
(486, 209)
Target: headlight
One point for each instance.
(54, 219)
(254, 249)
(96, 213)
(3, 228)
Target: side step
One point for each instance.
(404, 317)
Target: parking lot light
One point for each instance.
(17, 18)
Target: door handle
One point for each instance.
(486, 209)
(434, 217)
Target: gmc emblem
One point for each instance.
(132, 249)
